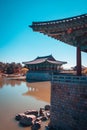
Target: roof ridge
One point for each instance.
(44, 56)
(52, 21)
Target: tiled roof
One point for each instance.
(39, 60)
(72, 31)
(65, 20)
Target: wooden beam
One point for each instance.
(79, 69)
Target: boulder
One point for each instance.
(44, 118)
(47, 107)
(36, 125)
(27, 120)
(31, 112)
(19, 116)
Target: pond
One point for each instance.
(19, 96)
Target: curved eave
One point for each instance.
(44, 61)
(56, 62)
(60, 30)
(35, 62)
(65, 20)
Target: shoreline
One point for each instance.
(13, 76)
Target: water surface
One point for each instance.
(19, 96)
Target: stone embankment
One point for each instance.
(33, 118)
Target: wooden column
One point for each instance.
(78, 61)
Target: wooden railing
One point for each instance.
(69, 79)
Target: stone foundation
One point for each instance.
(38, 76)
(68, 106)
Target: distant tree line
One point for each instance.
(10, 68)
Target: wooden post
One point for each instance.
(79, 61)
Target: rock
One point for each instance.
(48, 114)
(47, 128)
(33, 117)
(44, 114)
(47, 107)
(39, 118)
(44, 118)
(26, 121)
(19, 116)
(31, 112)
(41, 112)
(36, 126)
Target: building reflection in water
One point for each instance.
(39, 90)
(18, 96)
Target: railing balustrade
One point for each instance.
(69, 79)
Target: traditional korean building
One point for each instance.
(41, 68)
(68, 92)
(72, 31)
(45, 63)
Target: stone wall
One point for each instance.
(68, 106)
(38, 76)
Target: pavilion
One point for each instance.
(72, 31)
(44, 63)
(41, 68)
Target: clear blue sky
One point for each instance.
(18, 43)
